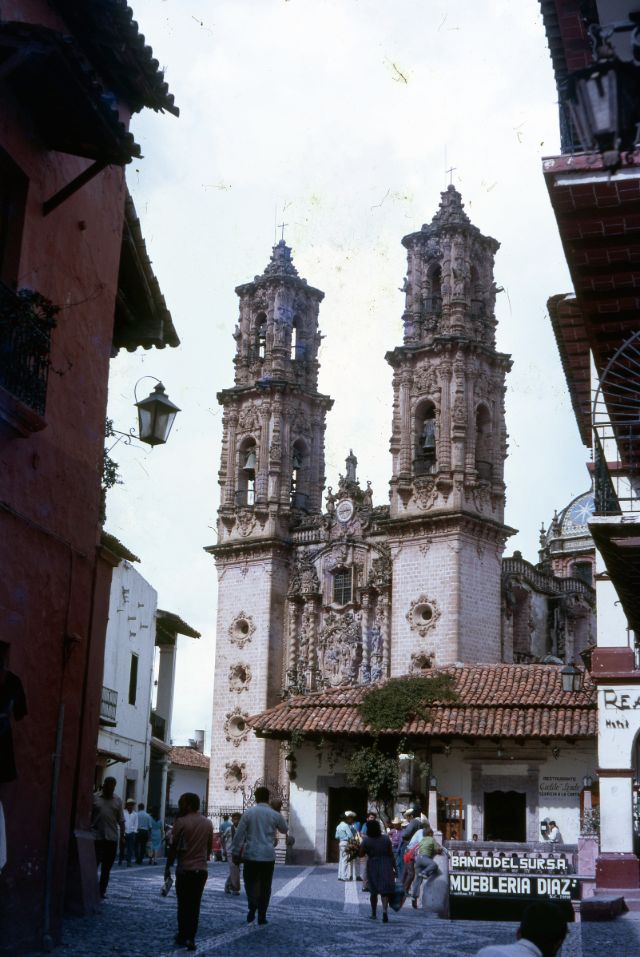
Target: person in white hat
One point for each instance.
(345, 832)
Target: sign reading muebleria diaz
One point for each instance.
(518, 874)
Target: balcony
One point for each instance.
(158, 726)
(26, 321)
(108, 707)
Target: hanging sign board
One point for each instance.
(516, 875)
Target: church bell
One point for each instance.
(250, 463)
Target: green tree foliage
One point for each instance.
(376, 772)
(389, 706)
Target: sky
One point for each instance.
(339, 118)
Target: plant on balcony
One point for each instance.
(110, 474)
(26, 321)
(590, 823)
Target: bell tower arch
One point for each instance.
(448, 445)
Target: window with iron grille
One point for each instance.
(342, 586)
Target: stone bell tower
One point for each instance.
(448, 445)
(271, 476)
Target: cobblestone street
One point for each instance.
(310, 911)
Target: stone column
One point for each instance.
(406, 455)
(444, 432)
(230, 482)
(262, 477)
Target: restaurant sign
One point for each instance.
(517, 875)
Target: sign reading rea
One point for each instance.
(621, 700)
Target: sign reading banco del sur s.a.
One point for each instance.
(519, 875)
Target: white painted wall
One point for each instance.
(130, 630)
(559, 784)
(194, 780)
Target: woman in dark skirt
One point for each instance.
(381, 867)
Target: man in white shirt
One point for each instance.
(554, 833)
(345, 832)
(130, 830)
(254, 846)
(541, 934)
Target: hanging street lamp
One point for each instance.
(156, 415)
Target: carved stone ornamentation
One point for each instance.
(340, 649)
(235, 775)
(241, 629)
(245, 522)
(236, 729)
(422, 660)
(426, 493)
(423, 614)
(239, 677)
(249, 418)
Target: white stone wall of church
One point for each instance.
(463, 582)
(256, 589)
(479, 621)
(423, 569)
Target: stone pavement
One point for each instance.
(310, 913)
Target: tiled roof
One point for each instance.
(506, 701)
(187, 757)
(115, 45)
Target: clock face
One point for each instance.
(344, 510)
(582, 510)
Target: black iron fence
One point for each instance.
(26, 321)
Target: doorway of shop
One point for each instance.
(341, 800)
(505, 816)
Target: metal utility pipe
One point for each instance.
(47, 940)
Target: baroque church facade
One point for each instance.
(341, 593)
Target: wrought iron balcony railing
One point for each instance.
(26, 321)
(616, 432)
(108, 706)
(158, 726)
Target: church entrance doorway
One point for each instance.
(505, 816)
(341, 800)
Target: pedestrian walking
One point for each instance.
(232, 885)
(107, 822)
(157, 836)
(128, 845)
(412, 833)
(224, 826)
(254, 844)
(346, 835)
(425, 866)
(395, 836)
(381, 868)
(541, 933)
(143, 834)
(191, 845)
